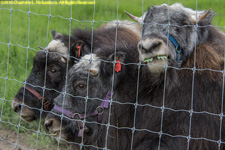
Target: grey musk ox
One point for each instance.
(91, 84)
(51, 72)
(183, 73)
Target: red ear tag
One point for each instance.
(78, 51)
(118, 66)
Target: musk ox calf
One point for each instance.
(50, 72)
(184, 77)
(92, 82)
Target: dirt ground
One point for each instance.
(8, 140)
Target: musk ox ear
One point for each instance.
(77, 48)
(119, 56)
(56, 35)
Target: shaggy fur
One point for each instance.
(147, 117)
(207, 97)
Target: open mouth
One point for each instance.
(158, 57)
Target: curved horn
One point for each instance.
(200, 16)
(92, 71)
(55, 34)
(41, 47)
(137, 19)
(64, 59)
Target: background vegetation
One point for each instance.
(22, 31)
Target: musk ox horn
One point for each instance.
(200, 17)
(64, 59)
(41, 47)
(92, 71)
(137, 19)
(56, 35)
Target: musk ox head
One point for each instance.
(88, 85)
(170, 34)
(89, 81)
(49, 71)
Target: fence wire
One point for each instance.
(107, 125)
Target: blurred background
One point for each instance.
(23, 31)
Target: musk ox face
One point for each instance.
(89, 81)
(50, 75)
(49, 70)
(156, 49)
(169, 35)
(83, 89)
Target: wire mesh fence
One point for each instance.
(16, 67)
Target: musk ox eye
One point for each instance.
(53, 71)
(81, 86)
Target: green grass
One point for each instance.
(36, 31)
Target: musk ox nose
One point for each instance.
(16, 105)
(148, 45)
(51, 123)
(48, 124)
(17, 108)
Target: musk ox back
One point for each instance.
(183, 73)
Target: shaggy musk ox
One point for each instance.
(93, 81)
(183, 76)
(53, 80)
(56, 66)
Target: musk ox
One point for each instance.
(91, 85)
(183, 68)
(48, 75)
(51, 75)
